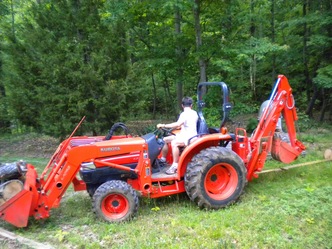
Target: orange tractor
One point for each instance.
(116, 169)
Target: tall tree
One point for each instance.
(306, 31)
(198, 31)
(4, 118)
(273, 34)
(69, 72)
(179, 54)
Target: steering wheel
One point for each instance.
(168, 132)
(114, 128)
(164, 132)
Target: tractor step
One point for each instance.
(162, 176)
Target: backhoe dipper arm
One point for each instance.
(265, 137)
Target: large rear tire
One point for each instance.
(215, 178)
(115, 201)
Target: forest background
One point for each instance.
(128, 60)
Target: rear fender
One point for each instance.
(196, 146)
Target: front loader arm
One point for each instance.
(40, 194)
(263, 140)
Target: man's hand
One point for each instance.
(160, 126)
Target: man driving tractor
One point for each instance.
(188, 122)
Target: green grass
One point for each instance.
(290, 209)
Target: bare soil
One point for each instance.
(9, 243)
(29, 145)
(9, 240)
(42, 146)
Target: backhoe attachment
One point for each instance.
(267, 139)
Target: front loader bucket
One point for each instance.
(18, 208)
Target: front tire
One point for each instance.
(215, 178)
(115, 201)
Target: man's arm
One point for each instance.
(170, 126)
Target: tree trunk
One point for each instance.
(198, 31)
(308, 82)
(273, 39)
(253, 76)
(326, 103)
(322, 111)
(179, 57)
(131, 41)
(167, 97)
(154, 95)
(253, 57)
(13, 20)
(312, 103)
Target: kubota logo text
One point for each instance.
(107, 149)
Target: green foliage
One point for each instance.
(70, 72)
(252, 124)
(304, 122)
(324, 77)
(120, 60)
(243, 108)
(4, 116)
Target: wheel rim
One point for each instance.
(115, 206)
(221, 181)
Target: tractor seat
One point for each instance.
(201, 126)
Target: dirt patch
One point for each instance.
(9, 243)
(42, 146)
(12, 241)
(30, 145)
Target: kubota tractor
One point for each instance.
(116, 169)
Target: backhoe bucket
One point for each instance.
(283, 151)
(17, 209)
